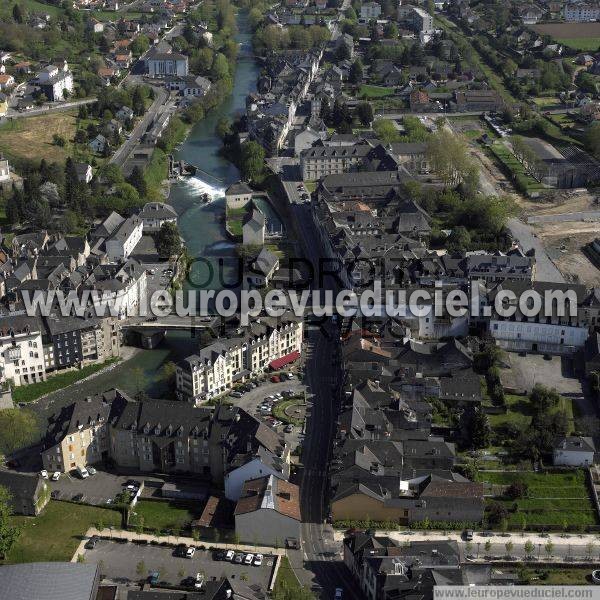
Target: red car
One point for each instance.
(275, 379)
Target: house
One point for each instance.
(124, 59)
(415, 18)
(155, 214)
(268, 511)
(574, 451)
(124, 239)
(23, 67)
(419, 101)
(107, 73)
(254, 227)
(29, 493)
(95, 25)
(56, 82)
(84, 172)
(237, 195)
(163, 64)
(21, 350)
(99, 144)
(348, 41)
(262, 269)
(6, 81)
(370, 10)
(530, 14)
(113, 127)
(478, 100)
(124, 114)
(306, 139)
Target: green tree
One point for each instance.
(138, 104)
(18, 428)
(168, 240)
(220, 67)
(8, 532)
(356, 72)
(252, 160)
(386, 131)
(549, 548)
(480, 429)
(364, 112)
(139, 45)
(543, 399)
(138, 181)
(509, 547)
(529, 548)
(17, 14)
(487, 546)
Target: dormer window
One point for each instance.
(147, 428)
(157, 429)
(180, 431)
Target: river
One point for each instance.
(202, 228)
(202, 225)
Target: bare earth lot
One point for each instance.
(569, 30)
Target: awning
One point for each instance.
(284, 360)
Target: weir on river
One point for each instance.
(202, 225)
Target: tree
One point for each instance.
(543, 399)
(138, 104)
(487, 546)
(168, 240)
(252, 160)
(386, 131)
(137, 180)
(356, 72)
(518, 489)
(17, 14)
(480, 429)
(549, 548)
(8, 533)
(509, 547)
(448, 156)
(18, 428)
(529, 548)
(364, 112)
(220, 67)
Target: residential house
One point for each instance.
(268, 511)
(370, 10)
(124, 239)
(163, 62)
(6, 81)
(84, 171)
(29, 493)
(155, 214)
(574, 451)
(254, 227)
(99, 144)
(261, 269)
(238, 195)
(55, 82)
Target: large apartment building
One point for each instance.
(225, 445)
(582, 12)
(266, 343)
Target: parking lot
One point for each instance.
(97, 489)
(252, 400)
(131, 562)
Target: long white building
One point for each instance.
(21, 351)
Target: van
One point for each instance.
(82, 472)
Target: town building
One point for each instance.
(124, 239)
(268, 511)
(254, 228)
(55, 82)
(155, 214)
(581, 12)
(574, 451)
(238, 195)
(163, 62)
(370, 10)
(29, 493)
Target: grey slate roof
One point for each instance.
(48, 581)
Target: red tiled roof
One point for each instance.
(284, 360)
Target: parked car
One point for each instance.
(229, 555)
(289, 428)
(236, 394)
(238, 559)
(44, 474)
(82, 472)
(190, 551)
(339, 593)
(219, 555)
(275, 379)
(180, 550)
(91, 543)
(56, 476)
(468, 535)
(199, 580)
(78, 498)
(248, 559)
(92, 471)
(153, 577)
(258, 560)
(290, 376)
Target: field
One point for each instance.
(28, 393)
(374, 91)
(554, 499)
(31, 137)
(56, 533)
(31, 7)
(507, 158)
(569, 31)
(163, 516)
(582, 44)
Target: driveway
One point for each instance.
(97, 489)
(545, 269)
(132, 562)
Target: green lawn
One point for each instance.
(280, 408)
(31, 7)
(28, 393)
(583, 44)
(553, 498)
(56, 533)
(162, 516)
(528, 183)
(374, 91)
(287, 584)
(235, 220)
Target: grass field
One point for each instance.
(56, 533)
(279, 411)
(583, 44)
(162, 516)
(559, 499)
(507, 158)
(28, 393)
(31, 7)
(287, 584)
(374, 91)
(31, 137)
(519, 412)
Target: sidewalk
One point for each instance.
(573, 539)
(173, 540)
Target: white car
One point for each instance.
(91, 471)
(56, 476)
(229, 555)
(189, 553)
(44, 474)
(82, 472)
(199, 580)
(258, 560)
(248, 559)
